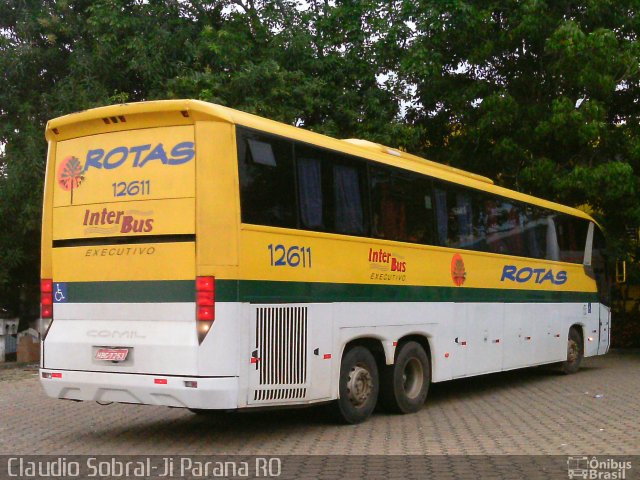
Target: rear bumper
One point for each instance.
(211, 393)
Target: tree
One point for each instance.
(539, 95)
(315, 66)
(57, 57)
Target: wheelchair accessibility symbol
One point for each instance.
(59, 293)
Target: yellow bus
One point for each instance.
(196, 256)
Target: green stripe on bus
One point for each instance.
(307, 292)
(260, 291)
(150, 291)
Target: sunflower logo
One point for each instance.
(70, 175)
(458, 272)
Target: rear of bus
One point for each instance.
(128, 290)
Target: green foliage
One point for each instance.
(315, 67)
(540, 95)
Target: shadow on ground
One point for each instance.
(216, 426)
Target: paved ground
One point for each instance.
(532, 411)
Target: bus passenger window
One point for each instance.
(553, 250)
(442, 215)
(348, 182)
(572, 238)
(535, 232)
(420, 228)
(402, 206)
(454, 217)
(310, 193)
(266, 180)
(389, 215)
(462, 236)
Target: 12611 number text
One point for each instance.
(295, 256)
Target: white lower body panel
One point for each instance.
(238, 365)
(211, 393)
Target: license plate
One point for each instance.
(112, 354)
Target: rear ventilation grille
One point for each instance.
(281, 349)
(280, 394)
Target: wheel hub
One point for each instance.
(359, 386)
(412, 378)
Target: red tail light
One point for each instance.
(206, 298)
(46, 298)
(46, 286)
(205, 305)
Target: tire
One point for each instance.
(405, 384)
(575, 352)
(359, 386)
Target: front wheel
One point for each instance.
(358, 387)
(575, 352)
(405, 384)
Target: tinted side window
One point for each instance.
(535, 231)
(313, 201)
(503, 222)
(266, 180)
(474, 220)
(349, 196)
(572, 237)
(332, 193)
(459, 218)
(402, 207)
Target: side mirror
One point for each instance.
(621, 271)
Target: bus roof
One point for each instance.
(183, 112)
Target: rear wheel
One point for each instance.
(405, 384)
(575, 352)
(359, 386)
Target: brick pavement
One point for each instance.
(533, 411)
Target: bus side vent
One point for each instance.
(119, 118)
(280, 394)
(281, 343)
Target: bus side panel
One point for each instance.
(465, 344)
(217, 220)
(46, 268)
(218, 202)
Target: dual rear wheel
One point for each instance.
(401, 387)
